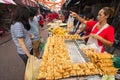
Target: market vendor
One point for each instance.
(102, 33)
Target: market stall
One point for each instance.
(66, 61)
(66, 57)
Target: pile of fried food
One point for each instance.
(56, 62)
(103, 61)
(58, 31)
(68, 37)
(62, 33)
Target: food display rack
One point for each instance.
(76, 55)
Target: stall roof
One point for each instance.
(1, 1)
(8, 2)
(70, 3)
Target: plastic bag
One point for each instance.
(42, 45)
(108, 77)
(116, 61)
(32, 68)
(70, 24)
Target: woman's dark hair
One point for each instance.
(33, 12)
(22, 14)
(108, 12)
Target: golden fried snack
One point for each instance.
(87, 72)
(104, 64)
(49, 76)
(80, 72)
(106, 61)
(57, 75)
(104, 56)
(76, 66)
(73, 73)
(109, 70)
(66, 74)
(42, 75)
(90, 65)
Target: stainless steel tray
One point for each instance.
(76, 55)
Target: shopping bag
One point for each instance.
(32, 68)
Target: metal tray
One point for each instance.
(76, 55)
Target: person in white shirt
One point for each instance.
(34, 31)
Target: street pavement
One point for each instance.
(11, 65)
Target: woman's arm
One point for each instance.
(23, 46)
(84, 37)
(82, 20)
(104, 41)
(81, 28)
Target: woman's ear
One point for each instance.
(107, 16)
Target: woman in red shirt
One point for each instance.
(102, 33)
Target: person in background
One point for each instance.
(61, 17)
(81, 28)
(34, 31)
(84, 29)
(102, 33)
(41, 20)
(2, 29)
(19, 30)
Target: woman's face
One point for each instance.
(101, 16)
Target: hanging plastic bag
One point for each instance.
(32, 68)
(70, 24)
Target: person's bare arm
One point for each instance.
(82, 20)
(23, 46)
(104, 41)
(81, 28)
(84, 37)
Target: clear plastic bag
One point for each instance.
(70, 24)
(32, 68)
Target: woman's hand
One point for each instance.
(84, 37)
(82, 20)
(31, 36)
(23, 46)
(104, 41)
(77, 32)
(73, 14)
(29, 55)
(95, 36)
